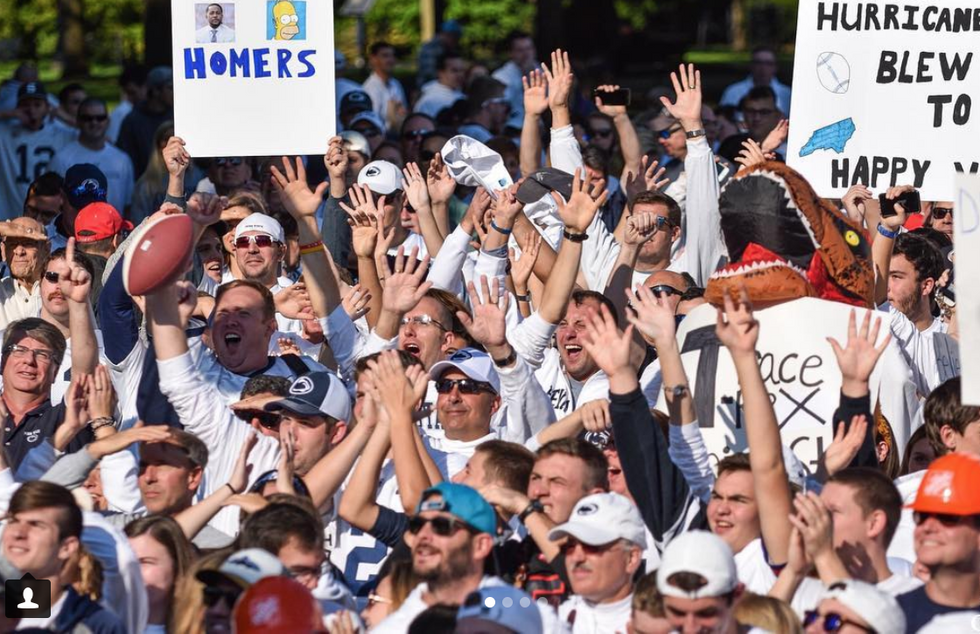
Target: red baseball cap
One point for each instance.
(98, 221)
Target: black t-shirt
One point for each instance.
(919, 609)
(38, 424)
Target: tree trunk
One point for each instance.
(157, 36)
(72, 38)
(739, 40)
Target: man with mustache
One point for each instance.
(25, 249)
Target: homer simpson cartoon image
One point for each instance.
(286, 20)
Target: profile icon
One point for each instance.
(28, 602)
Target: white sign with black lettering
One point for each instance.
(966, 232)
(800, 372)
(883, 94)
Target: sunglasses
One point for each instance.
(665, 134)
(661, 290)
(941, 212)
(604, 133)
(265, 419)
(261, 241)
(465, 386)
(946, 519)
(213, 596)
(51, 276)
(757, 112)
(89, 118)
(441, 525)
(832, 622)
(234, 162)
(416, 134)
(368, 131)
(588, 549)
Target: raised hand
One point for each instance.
(293, 302)
(238, 479)
(489, 324)
(901, 214)
(400, 394)
(854, 201)
(478, 208)
(335, 160)
(737, 328)
(116, 442)
(654, 316)
(578, 212)
(297, 197)
(858, 359)
(687, 106)
(608, 346)
(814, 523)
(610, 111)
(653, 178)
(74, 281)
(777, 137)
(205, 209)
(521, 268)
(175, 157)
(101, 398)
(506, 207)
(640, 228)
(288, 346)
(559, 78)
(405, 287)
(76, 411)
(440, 183)
(186, 296)
(415, 187)
(595, 415)
(355, 302)
(535, 93)
(845, 445)
(287, 456)
(751, 154)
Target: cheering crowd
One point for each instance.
(431, 381)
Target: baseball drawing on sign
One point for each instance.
(832, 137)
(834, 72)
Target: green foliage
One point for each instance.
(637, 12)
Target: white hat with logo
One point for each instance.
(474, 363)
(263, 224)
(700, 553)
(602, 518)
(381, 177)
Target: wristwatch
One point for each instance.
(677, 391)
(693, 134)
(534, 507)
(506, 361)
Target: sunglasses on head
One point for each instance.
(946, 519)
(832, 622)
(88, 118)
(665, 134)
(941, 212)
(234, 162)
(213, 596)
(261, 241)
(441, 525)
(465, 386)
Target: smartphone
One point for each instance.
(620, 97)
(910, 200)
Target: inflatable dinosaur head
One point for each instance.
(785, 242)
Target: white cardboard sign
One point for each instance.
(966, 231)
(254, 78)
(886, 93)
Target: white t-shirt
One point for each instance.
(567, 394)
(753, 569)
(114, 163)
(25, 155)
(903, 543)
(583, 617)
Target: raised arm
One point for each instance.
(629, 142)
(738, 330)
(75, 284)
(403, 290)
(359, 505)
(441, 187)
(193, 518)
(884, 243)
(560, 80)
(328, 474)
(362, 216)
(177, 160)
(418, 197)
(535, 103)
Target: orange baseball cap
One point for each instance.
(277, 604)
(950, 486)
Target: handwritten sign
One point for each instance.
(966, 232)
(800, 372)
(883, 94)
(254, 78)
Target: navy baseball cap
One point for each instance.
(462, 501)
(542, 182)
(85, 184)
(32, 90)
(315, 394)
(355, 101)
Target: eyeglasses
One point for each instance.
(234, 162)
(308, 572)
(416, 134)
(90, 118)
(757, 112)
(423, 320)
(374, 599)
(51, 276)
(588, 549)
(941, 212)
(603, 133)
(946, 519)
(19, 352)
(213, 596)
(665, 134)
(664, 289)
(261, 241)
(441, 525)
(265, 419)
(832, 622)
(465, 386)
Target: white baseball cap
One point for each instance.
(602, 518)
(263, 224)
(879, 609)
(474, 363)
(381, 177)
(701, 553)
(244, 568)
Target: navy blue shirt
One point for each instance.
(38, 424)
(919, 609)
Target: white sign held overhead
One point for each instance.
(966, 234)
(884, 94)
(254, 78)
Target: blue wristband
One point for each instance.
(885, 232)
(506, 232)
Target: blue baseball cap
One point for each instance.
(504, 605)
(315, 394)
(463, 502)
(85, 184)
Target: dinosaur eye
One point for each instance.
(852, 238)
(284, 19)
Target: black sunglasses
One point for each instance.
(269, 420)
(213, 596)
(51, 276)
(832, 622)
(665, 134)
(941, 212)
(664, 289)
(87, 118)
(221, 162)
(416, 134)
(465, 386)
(946, 519)
(441, 525)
